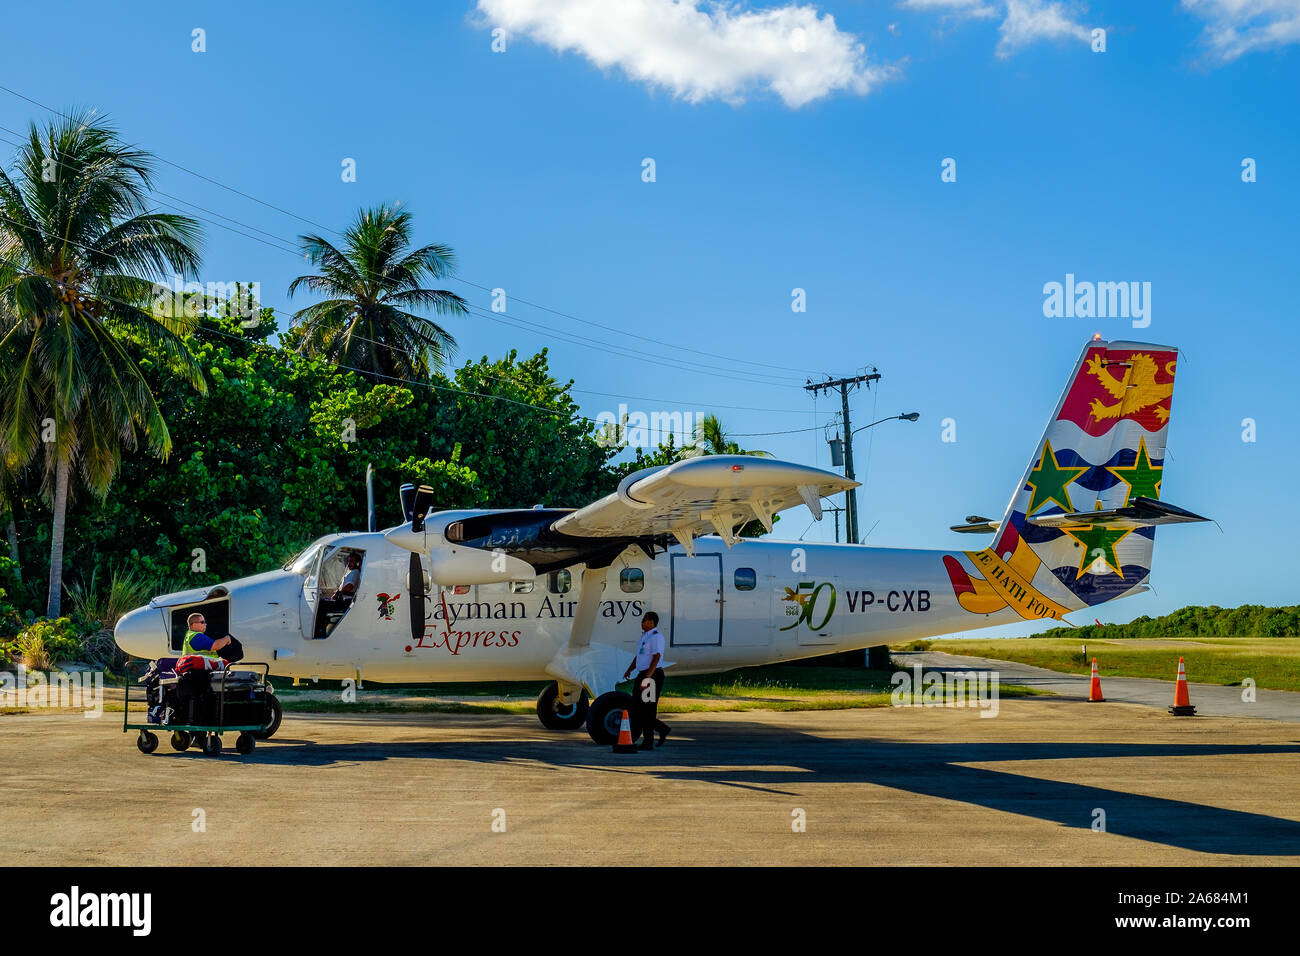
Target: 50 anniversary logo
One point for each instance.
(804, 604)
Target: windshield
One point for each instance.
(302, 561)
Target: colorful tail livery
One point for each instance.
(1080, 527)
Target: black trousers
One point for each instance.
(648, 710)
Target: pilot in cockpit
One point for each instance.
(347, 591)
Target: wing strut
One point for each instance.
(579, 663)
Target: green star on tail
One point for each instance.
(1099, 542)
(1142, 477)
(1048, 481)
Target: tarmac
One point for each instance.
(1046, 782)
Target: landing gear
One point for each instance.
(606, 715)
(555, 714)
(147, 742)
(180, 741)
(274, 713)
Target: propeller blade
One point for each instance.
(407, 493)
(415, 591)
(420, 507)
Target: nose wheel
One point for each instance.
(275, 713)
(555, 714)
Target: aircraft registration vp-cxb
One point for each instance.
(557, 594)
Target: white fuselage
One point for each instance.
(754, 603)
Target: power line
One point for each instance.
(394, 348)
(503, 318)
(336, 232)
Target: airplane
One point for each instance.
(557, 594)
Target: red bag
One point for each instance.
(197, 662)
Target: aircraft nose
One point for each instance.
(141, 633)
(404, 537)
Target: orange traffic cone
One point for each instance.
(1094, 692)
(625, 745)
(1182, 704)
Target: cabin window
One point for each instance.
(746, 579)
(560, 581)
(631, 580)
(521, 587)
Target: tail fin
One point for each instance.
(1080, 525)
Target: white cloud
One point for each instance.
(1235, 27)
(959, 8)
(1023, 21)
(700, 50)
(1029, 21)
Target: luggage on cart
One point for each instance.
(199, 699)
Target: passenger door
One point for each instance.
(697, 601)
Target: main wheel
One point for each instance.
(555, 715)
(276, 713)
(605, 716)
(244, 743)
(147, 742)
(180, 740)
(212, 745)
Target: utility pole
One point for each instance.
(845, 385)
(835, 510)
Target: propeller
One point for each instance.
(415, 504)
(415, 591)
(420, 506)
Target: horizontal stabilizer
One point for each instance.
(1140, 513)
(977, 526)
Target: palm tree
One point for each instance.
(81, 252)
(711, 439)
(370, 284)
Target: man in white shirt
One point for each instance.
(649, 684)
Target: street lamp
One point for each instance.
(907, 417)
(851, 521)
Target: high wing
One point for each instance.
(713, 493)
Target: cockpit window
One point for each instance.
(301, 563)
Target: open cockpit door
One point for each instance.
(332, 584)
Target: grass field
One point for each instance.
(1273, 663)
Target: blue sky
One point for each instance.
(779, 168)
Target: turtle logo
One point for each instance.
(386, 605)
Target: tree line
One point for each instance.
(152, 443)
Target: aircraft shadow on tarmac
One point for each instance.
(762, 757)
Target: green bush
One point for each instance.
(44, 643)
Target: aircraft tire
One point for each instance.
(277, 714)
(605, 715)
(553, 719)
